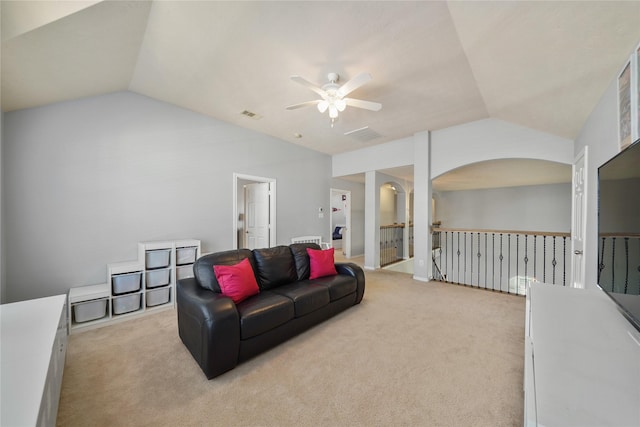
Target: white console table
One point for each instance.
(33, 340)
(582, 360)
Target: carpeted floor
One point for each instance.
(411, 354)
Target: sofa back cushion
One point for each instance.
(274, 267)
(203, 267)
(301, 258)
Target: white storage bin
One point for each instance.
(157, 278)
(186, 255)
(126, 282)
(90, 310)
(157, 258)
(158, 296)
(126, 304)
(184, 272)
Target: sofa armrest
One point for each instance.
(353, 270)
(209, 326)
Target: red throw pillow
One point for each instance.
(321, 262)
(237, 281)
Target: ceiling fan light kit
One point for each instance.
(334, 96)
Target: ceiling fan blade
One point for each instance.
(354, 84)
(367, 105)
(303, 104)
(307, 83)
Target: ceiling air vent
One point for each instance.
(363, 134)
(251, 115)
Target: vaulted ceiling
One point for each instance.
(542, 65)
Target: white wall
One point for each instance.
(86, 180)
(378, 157)
(387, 205)
(491, 139)
(528, 208)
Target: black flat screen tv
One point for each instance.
(619, 231)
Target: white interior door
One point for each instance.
(257, 215)
(342, 199)
(578, 226)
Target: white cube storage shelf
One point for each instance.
(125, 283)
(186, 255)
(184, 271)
(157, 258)
(159, 296)
(90, 310)
(156, 278)
(136, 287)
(127, 303)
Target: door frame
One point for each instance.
(272, 205)
(346, 244)
(582, 223)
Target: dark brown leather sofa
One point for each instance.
(220, 334)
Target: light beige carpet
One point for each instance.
(411, 354)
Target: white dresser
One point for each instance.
(33, 348)
(582, 360)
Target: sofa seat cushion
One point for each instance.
(263, 312)
(306, 296)
(339, 286)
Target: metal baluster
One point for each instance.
(501, 258)
(458, 277)
(613, 264)
(479, 255)
(526, 260)
(446, 248)
(471, 263)
(601, 262)
(517, 261)
(554, 263)
(452, 257)
(486, 256)
(508, 262)
(464, 278)
(493, 268)
(626, 269)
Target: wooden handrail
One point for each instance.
(619, 234)
(470, 230)
(392, 226)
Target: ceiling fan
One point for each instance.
(334, 96)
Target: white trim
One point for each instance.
(272, 206)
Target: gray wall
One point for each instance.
(529, 208)
(85, 181)
(2, 180)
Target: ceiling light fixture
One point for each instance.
(333, 100)
(334, 96)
